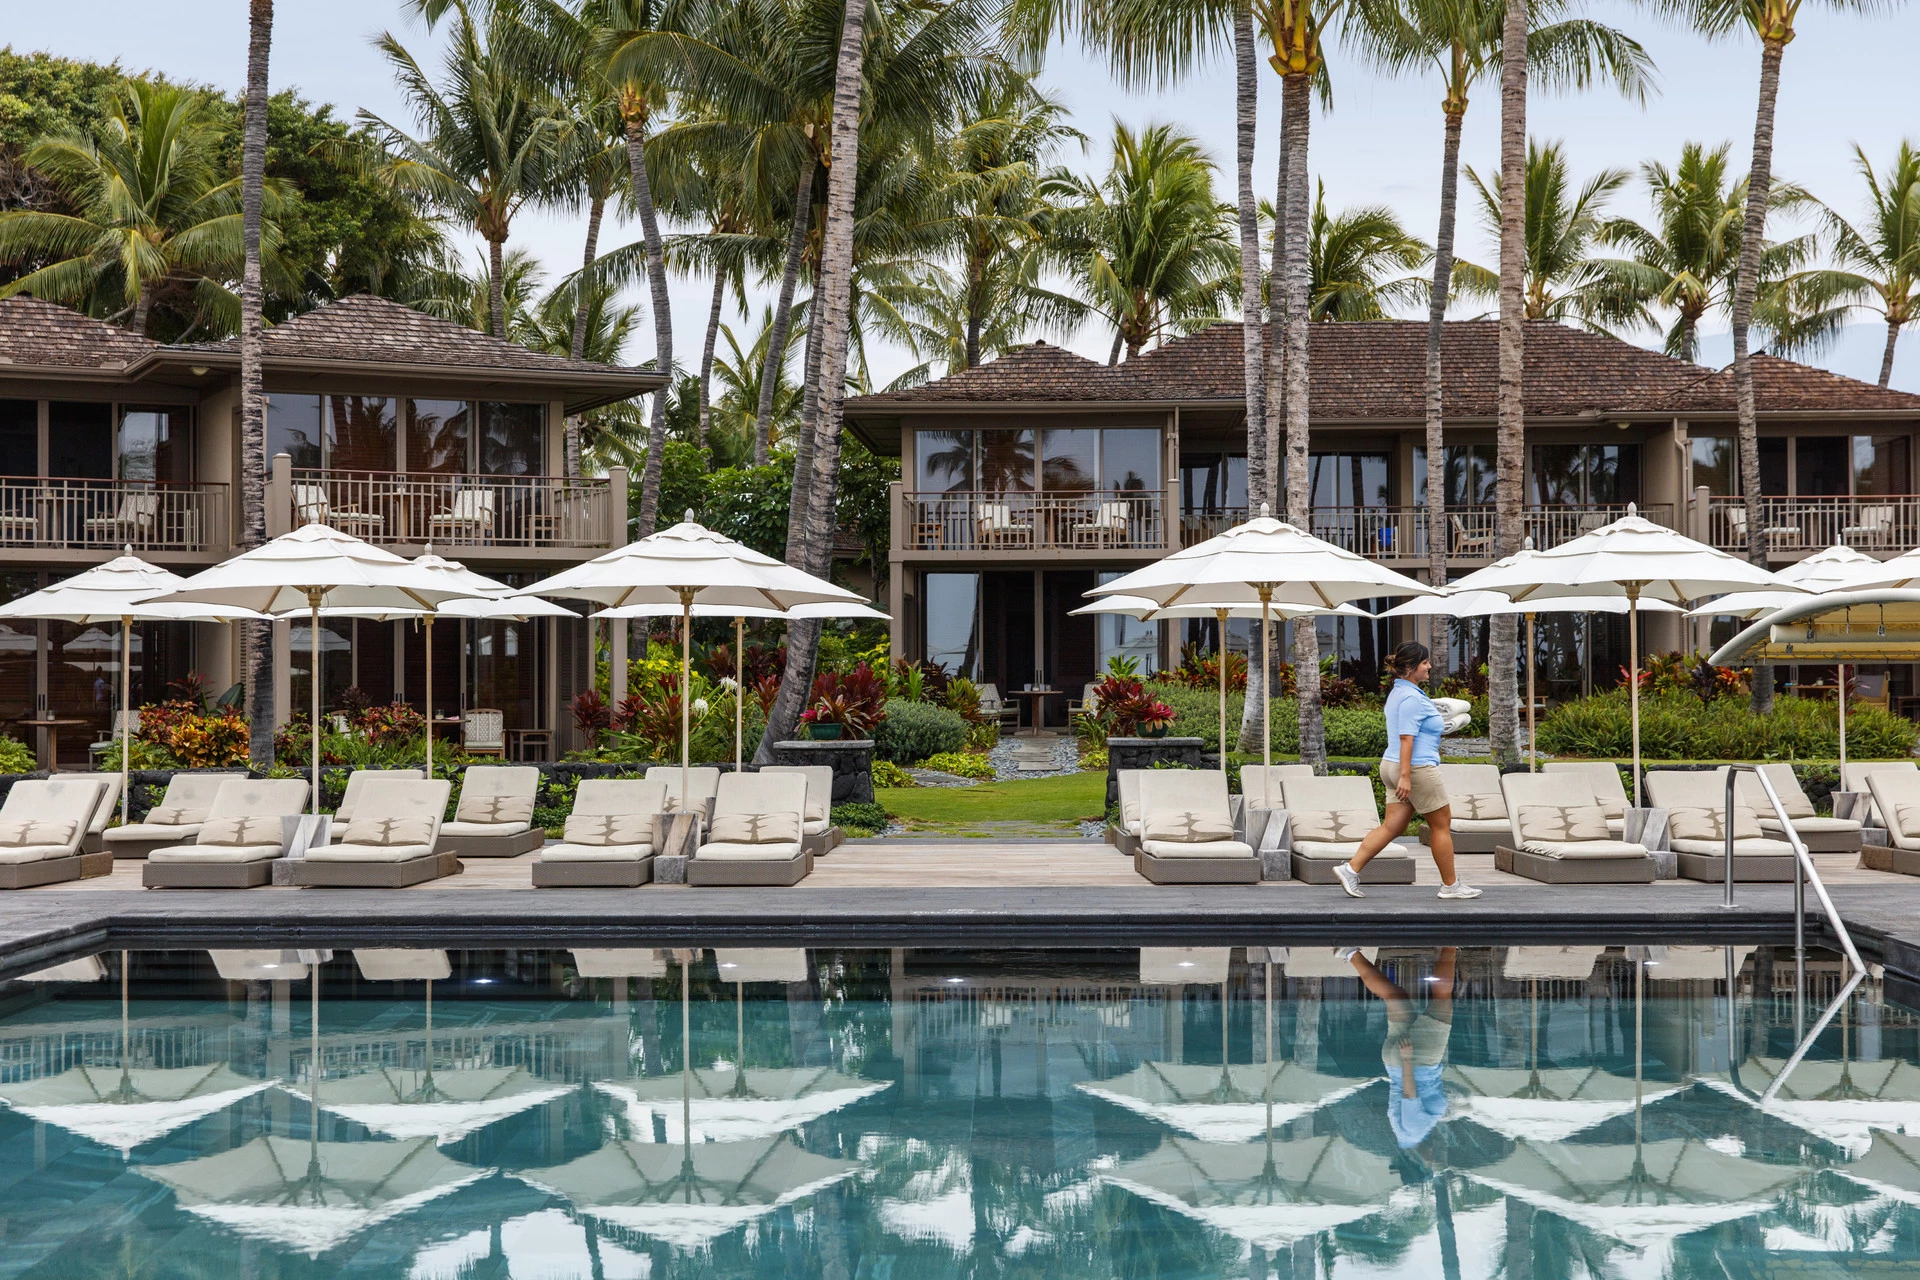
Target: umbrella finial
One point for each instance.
(1526, 543)
(128, 548)
(1633, 508)
(689, 515)
(1266, 509)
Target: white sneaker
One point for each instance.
(1458, 889)
(1349, 879)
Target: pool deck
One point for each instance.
(922, 892)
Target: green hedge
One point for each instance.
(1351, 731)
(913, 731)
(1681, 727)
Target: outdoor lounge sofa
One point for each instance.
(394, 841)
(495, 817)
(356, 787)
(1896, 794)
(1479, 807)
(1326, 820)
(1603, 776)
(175, 820)
(818, 832)
(1820, 835)
(1126, 836)
(1187, 830)
(244, 832)
(42, 826)
(1561, 834)
(608, 840)
(703, 781)
(1854, 775)
(755, 837)
(94, 838)
(1696, 805)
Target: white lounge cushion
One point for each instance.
(1188, 826)
(216, 853)
(1337, 826)
(1603, 779)
(595, 852)
(816, 827)
(1481, 826)
(349, 851)
(402, 813)
(496, 795)
(1811, 826)
(1585, 849)
(1786, 785)
(724, 852)
(606, 830)
(1896, 796)
(756, 828)
(357, 783)
(1560, 823)
(25, 833)
(1326, 848)
(457, 828)
(703, 782)
(1698, 823)
(1854, 775)
(242, 830)
(1749, 848)
(819, 787)
(1197, 848)
(153, 831)
(34, 852)
(43, 813)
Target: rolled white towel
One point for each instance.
(1456, 712)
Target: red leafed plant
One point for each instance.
(591, 715)
(392, 725)
(764, 691)
(1124, 708)
(855, 700)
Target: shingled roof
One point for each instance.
(1376, 370)
(33, 332)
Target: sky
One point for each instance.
(1845, 79)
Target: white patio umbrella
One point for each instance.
(1632, 558)
(1842, 1102)
(1223, 1104)
(740, 614)
(1146, 610)
(689, 565)
(317, 567)
(1262, 563)
(1455, 602)
(1545, 1104)
(120, 591)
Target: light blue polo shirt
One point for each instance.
(1411, 711)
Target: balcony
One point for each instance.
(1052, 521)
(508, 513)
(1794, 526)
(1401, 533)
(91, 517)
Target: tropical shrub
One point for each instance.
(984, 736)
(855, 700)
(394, 725)
(860, 819)
(1676, 726)
(17, 757)
(961, 764)
(210, 741)
(1122, 708)
(1200, 669)
(963, 697)
(915, 730)
(591, 715)
(888, 774)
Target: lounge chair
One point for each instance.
(609, 837)
(1896, 795)
(818, 832)
(1854, 775)
(1696, 805)
(992, 704)
(42, 825)
(243, 833)
(1187, 830)
(356, 787)
(1603, 776)
(495, 817)
(1259, 782)
(1566, 964)
(175, 820)
(394, 841)
(1326, 820)
(1126, 836)
(1820, 835)
(703, 781)
(1479, 808)
(1318, 962)
(402, 964)
(1561, 834)
(94, 838)
(619, 962)
(756, 834)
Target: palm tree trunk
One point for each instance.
(577, 348)
(142, 305)
(257, 649)
(1753, 233)
(805, 442)
(833, 313)
(782, 314)
(1436, 418)
(1297, 106)
(1886, 358)
(706, 352)
(497, 287)
(976, 306)
(1113, 352)
(1502, 692)
(1252, 329)
(662, 325)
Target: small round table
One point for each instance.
(1037, 713)
(51, 727)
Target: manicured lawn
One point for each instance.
(1048, 806)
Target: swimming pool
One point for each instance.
(860, 1115)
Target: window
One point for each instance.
(360, 433)
(1070, 459)
(512, 442)
(1775, 456)
(952, 627)
(1881, 465)
(19, 437)
(80, 440)
(1470, 474)
(943, 461)
(156, 444)
(1584, 474)
(1006, 461)
(1130, 460)
(1216, 482)
(1348, 480)
(437, 432)
(1821, 467)
(293, 428)
(1716, 465)
(1123, 637)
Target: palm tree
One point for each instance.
(1877, 264)
(155, 213)
(1462, 39)
(1351, 260)
(612, 434)
(1503, 695)
(493, 139)
(258, 646)
(738, 370)
(1147, 245)
(467, 297)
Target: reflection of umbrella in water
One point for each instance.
(1266, 1194)
(1890, 1166)
(1843, 1102)
(1544, 1105)
(1223, 1104)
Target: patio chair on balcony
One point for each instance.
(135, 521)
(1107, 527)
(1779, 537)
(470, 519)
(1872, 527)
(998, 528)
(312, 506)
(18, 523)
(1466, 543)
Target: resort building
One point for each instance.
(402, 429)
(1030, 479)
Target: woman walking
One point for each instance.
(1410, 771)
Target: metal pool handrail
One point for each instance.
(1803, 872)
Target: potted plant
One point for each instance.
(825, 718)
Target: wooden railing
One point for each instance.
(53, 512)
(1050, 520)
(1398, 533)
(1888, 523)
(456, 510)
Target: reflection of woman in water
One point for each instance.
(1415, 1048)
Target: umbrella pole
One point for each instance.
(313, 667)
(1220, 653)
(739, 687)
(1843, 715)
(1266, 699)
(1633, 681)
(686, 684)
(1530, 748)
(428, 623)
(126, 718)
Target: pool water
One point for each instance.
(864, 1115)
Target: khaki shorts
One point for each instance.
(1428, 1034)
(1429, 791)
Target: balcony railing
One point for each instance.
(1883, 523)
(1400, 533)
(1051, 520)
(456, 510)
(79, 514)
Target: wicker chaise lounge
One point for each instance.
(1896, 794)
(42, 825)
(244, 833)
(495, 816)
(393, 842)
(819, 834)
(94, 838)
(1561, 834)
(175, 820)
(1326, 820)
(1125, 836)
(608, 841)
(356, 787)
(1187, 830)
(1603, 776)
(703, 782)
(1820, 835)
(755, 836)
(1696, 802)
(1479, 807)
